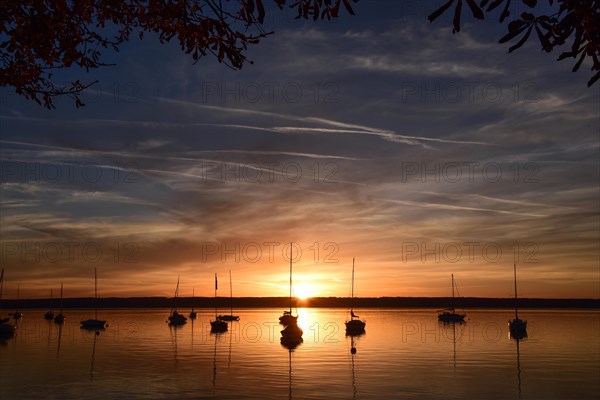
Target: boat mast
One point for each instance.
(96, 293)
(230, 294)
(1, 282)
(216, 295)
(452, 292)
(352, 293)
(61, 300)
(290, 278)
(515, 273)
(193, 294)
(176, 296)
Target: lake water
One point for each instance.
(403, 354)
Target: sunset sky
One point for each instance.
(379, 136)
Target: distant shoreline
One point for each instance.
(315, 302)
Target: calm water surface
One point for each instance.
(403, 354)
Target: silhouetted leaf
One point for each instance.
(348, 7)
(578, 63)
(564, 55)
(440, 11)
(261, 11)
(456, 20)
(527, 17)
(522, 41)
(477, 13)
(506, 12)
(493, 5)
(545, 42)
(594, 79)
(515, 27)
(530, 3)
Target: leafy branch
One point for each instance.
(577, 21)
(38, 37)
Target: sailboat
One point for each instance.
(517, 327)
(60, 317)
(449, 314)
(217, 325)
(287, 317)
(17, 314)
(49, 314)
(355, 325)
(193, 314)
(6, 330)
(229, 317)
(175, 318)
(94, 323)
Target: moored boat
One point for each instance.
(450, 314)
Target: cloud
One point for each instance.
(387, 135)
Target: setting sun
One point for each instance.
(305, 290)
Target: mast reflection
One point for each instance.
(290, 345)
(354, 338)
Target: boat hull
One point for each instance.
(93, 324)
(59, 318)
(49, 315)
(176, 319)
(7, 330)
(451, 317)
(218, 326)
(292, 332)
(228, 317)
(517, 328)
(193, 315)
(355, 326)
(288, 319)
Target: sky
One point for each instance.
(379, 137)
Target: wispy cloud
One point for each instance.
(387, 135)
(451, 207)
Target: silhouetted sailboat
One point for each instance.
(60, 317)
(449, 314)
(355, 325)
(217, 325)
(229, 317)
(49, 315)
(193, 314)
(17, 314)
(175, 318)
(6, 330)
(517, 327)
(291, 334)
(94, 323)
(287, 317)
